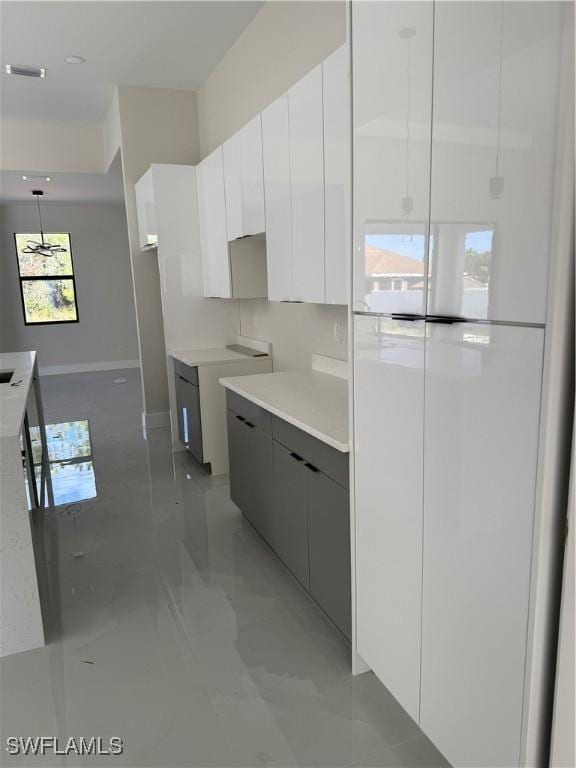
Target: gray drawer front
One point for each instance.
(249, 411)
(188, 372)
(327, 459)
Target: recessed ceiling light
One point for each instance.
(18, 69)
(36, 178)
(73, 59)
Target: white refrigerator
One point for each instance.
(456, 111)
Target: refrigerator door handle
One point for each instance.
(444, 319)
(406, 316)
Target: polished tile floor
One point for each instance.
(172, 626)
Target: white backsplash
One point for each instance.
(296, 331)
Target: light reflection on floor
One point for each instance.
(70, 460)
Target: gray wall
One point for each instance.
(281, 44)
(156, 125)
(106, 332)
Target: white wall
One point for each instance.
(280, 45)
(283, 42)
(157, 125)
(50, 146)
(106, 332)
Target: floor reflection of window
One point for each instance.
(71, 462)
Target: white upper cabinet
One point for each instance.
(276, 152)
(392, 113)
(212, 220)
(252, 177)
(286, 174)
(146, 211)
(496, 96)
(307, 186)
(389, 434)
(232, 155)
(244, 181)
(482, 404)
(336, 99)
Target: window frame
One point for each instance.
(47, 277)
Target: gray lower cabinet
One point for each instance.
(293, 488)
(291, 512)
(251, 465)
(329, 548)
(251, 472)
(189, 420)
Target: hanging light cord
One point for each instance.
(40, 217)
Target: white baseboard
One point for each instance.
(110, 365)
(155, 420)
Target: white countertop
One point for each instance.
(13, 398)
(210, 356)
(316, 403)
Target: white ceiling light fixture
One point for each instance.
(36, 178)
(42, 248)
(75, 59)
(24, 71)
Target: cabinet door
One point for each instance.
(336, 99)
(291, 512)
(252, 177)
(232, 157)
(493, 157)
(179, 384)
(482, 409)
(251, 473)
(194, 422)
(307, 186)
(392, 113)
(329, 548)
(261, 455)
(240, 465)
(389, 399)
(276, 154)
(189, 421)
(212, 219)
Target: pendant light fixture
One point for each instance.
(42, 248)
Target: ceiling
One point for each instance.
(161, 44)
(65, 187)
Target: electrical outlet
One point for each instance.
(338, 333)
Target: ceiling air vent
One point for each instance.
(18, 69)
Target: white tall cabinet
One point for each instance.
(306, 158)
(252, 177)
(392, 114)
(307, 186)
(244, 181)
(481, 417)
(389, 427)
(276, 154)
(336, 104)
(496, 100)
(212, 221)
(453, 247)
